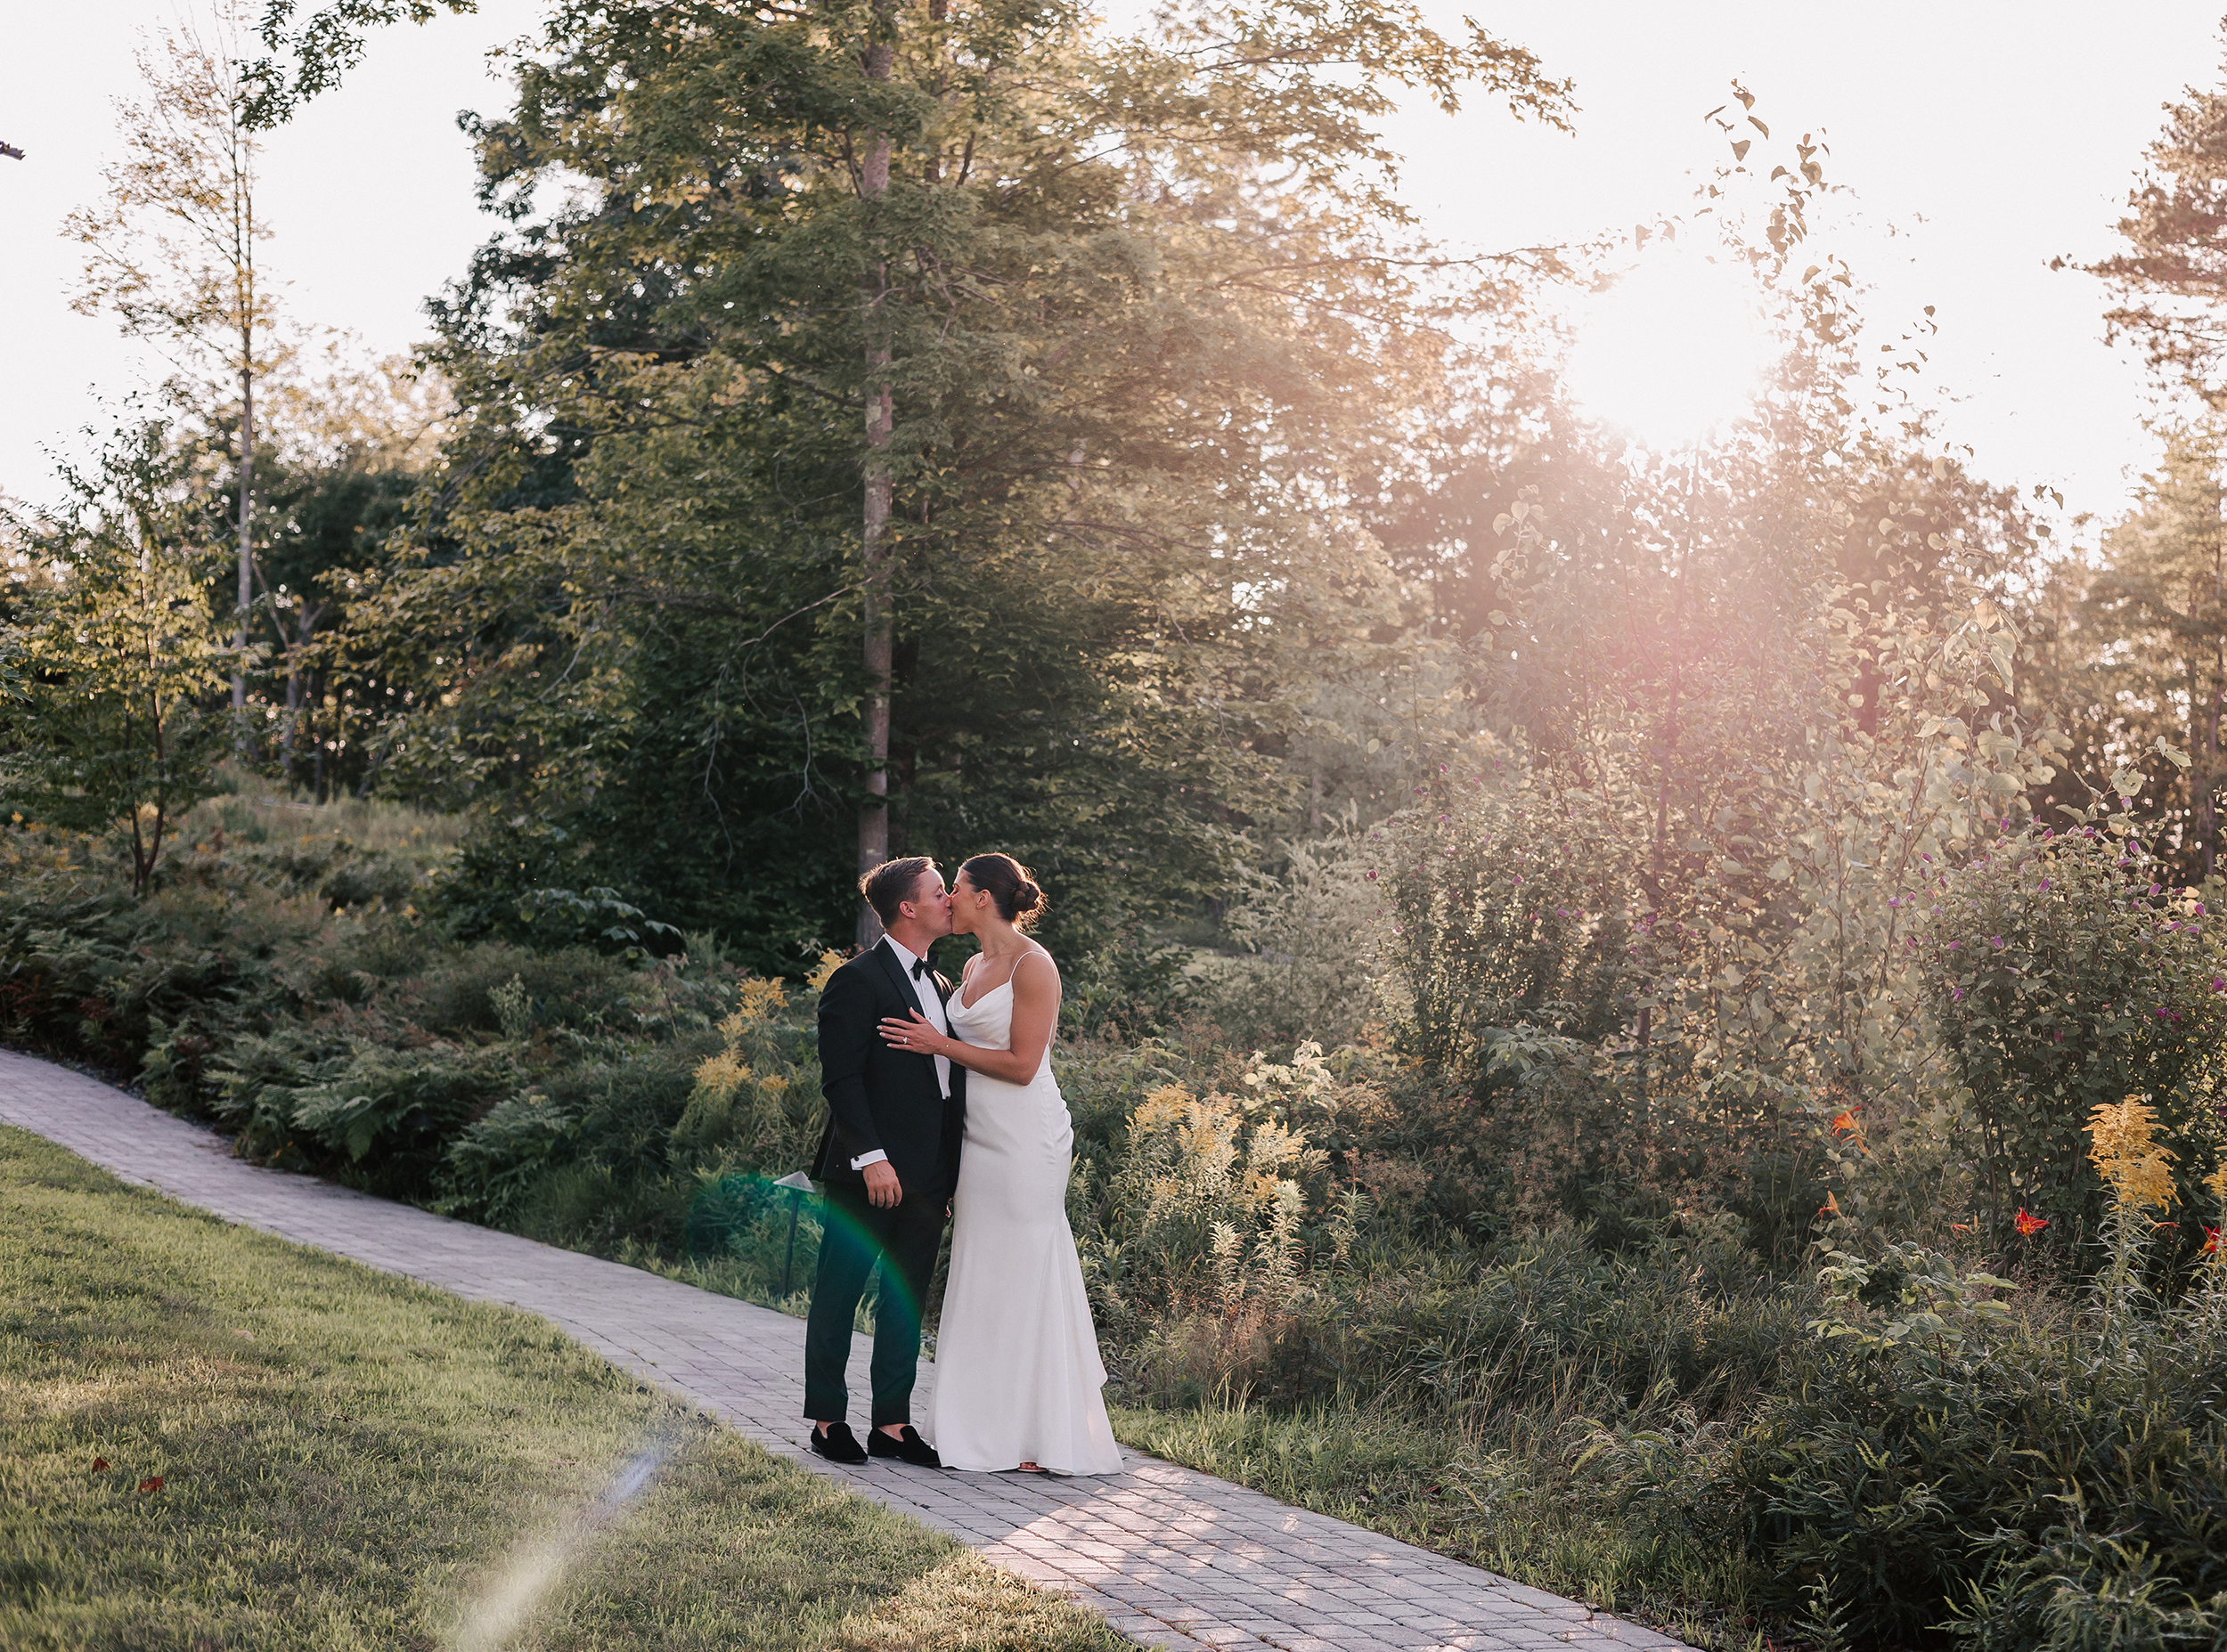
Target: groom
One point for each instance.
(888, 1162)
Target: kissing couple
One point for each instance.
(942, 1100)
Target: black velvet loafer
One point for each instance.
(839, 1444)
(908, 1447)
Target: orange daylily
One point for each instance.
(2211, 1241)
(1832, 1206)
(2028, 1224)
(1844, 1122)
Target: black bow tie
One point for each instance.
(919, 968)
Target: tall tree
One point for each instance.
(1118, 330)
(2172, 280)
(2137, 652)
(171, 251)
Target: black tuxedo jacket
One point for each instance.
(879, 1096)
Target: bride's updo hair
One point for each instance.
(1009, 885)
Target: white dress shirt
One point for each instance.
(932, 1006)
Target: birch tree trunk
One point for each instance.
(247, 531)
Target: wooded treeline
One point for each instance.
(881, 428)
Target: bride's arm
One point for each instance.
(1035, 1011)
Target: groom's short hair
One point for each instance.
(889, 885)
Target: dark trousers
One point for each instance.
(854, 1238)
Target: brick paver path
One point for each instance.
(1171, 1557)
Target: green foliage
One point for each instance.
(2064, 975)
(2024, 1480)
(1126, 536)
(1309, 946)
(121, 656)
(1507, 913)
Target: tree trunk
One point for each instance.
(880, 424)
(289, 733)
(247, 541)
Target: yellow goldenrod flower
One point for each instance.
(759, 998)
(2126, 1151)
(721, 1075)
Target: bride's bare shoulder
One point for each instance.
(1037, 950)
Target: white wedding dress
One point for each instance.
(1017, 1372)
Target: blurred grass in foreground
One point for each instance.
(332, 1458)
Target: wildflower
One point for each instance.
(1844, 1121)
(2028, 1224)
(1832, 1206)
(1371, 877)
(2044, 883)
(2210, 1242)
(758, 999)
(2127, 1155)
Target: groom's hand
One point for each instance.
(882, 1189)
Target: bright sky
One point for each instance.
(1982, 138)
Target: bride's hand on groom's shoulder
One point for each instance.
(913, 1032)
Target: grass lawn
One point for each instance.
(215, 1439)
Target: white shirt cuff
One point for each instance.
(874, 1158)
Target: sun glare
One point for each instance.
(1669, 353)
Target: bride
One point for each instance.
(1017, 1372)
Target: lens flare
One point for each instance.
(1672, 350)
(747, 1215)
(508, 1599)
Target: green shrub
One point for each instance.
(1308, 940)
(2064, 975)
(1507, 912)
(1932, 1464)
